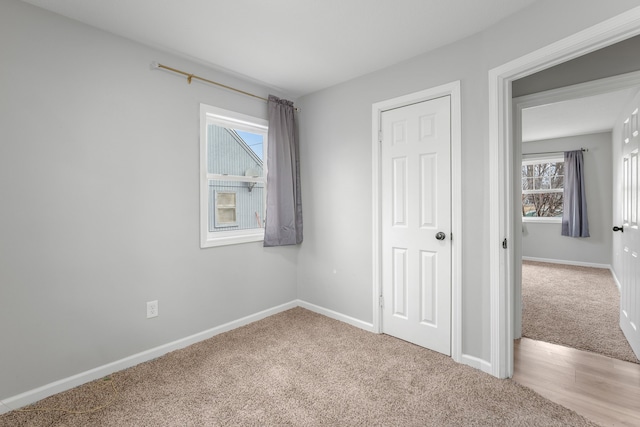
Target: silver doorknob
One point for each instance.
(440, 235)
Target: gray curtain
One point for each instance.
(574, 215)
(283, 225)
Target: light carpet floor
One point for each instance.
(574, 306)
(302, 369)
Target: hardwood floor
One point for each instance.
(602, 389)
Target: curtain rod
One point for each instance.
(552, 152)
(190, 77)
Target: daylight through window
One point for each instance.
(233, 177)
(542, 188)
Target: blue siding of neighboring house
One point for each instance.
(231, 155)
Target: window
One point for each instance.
(542, 190)
(225, 209)
(232, 177)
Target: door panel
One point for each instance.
(629, 293)
(399, 191)
(400, 294)
(428, 289)
(416, 204)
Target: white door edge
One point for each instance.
(452, 89)
(501, 167)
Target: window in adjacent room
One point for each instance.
(232, 177)
(542, 189)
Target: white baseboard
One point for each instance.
(4, 408)
(477, 363)
(337, 316)
(566, 262)
(615, 278)
(64, 384)
(465, 359)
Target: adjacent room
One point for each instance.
(559, 268)
(569, 297)
(290, 212)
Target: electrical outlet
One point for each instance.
(152, 309)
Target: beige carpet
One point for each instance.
(303, 369)
(573, 306)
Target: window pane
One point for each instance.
(254, 141)
(226, 216)
(234, 152)
(245, 199)
(542, 205)
(545, 182)
(536, 183)
(225, 209)
(557, 181)
(540, 177)
(557, 177)
(226, 199)
(528, 207)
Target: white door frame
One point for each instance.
(452, 89)
(501, 168)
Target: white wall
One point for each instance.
(336, 161)
(99, 203)
(99, 190)
(544, 240)
(336, 167)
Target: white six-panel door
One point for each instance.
(416, 206)
(629, 292)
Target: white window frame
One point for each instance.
(534, 161)
(233, 120)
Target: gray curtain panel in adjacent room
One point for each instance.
(284, 205)
(574, 215)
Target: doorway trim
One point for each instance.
(450, 89)
(501, 168)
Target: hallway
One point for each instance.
(602, 389)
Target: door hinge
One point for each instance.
(380, 136)
(381, 301)
(504, 243)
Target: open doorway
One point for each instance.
(620, 28)
(564, 291)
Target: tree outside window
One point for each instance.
(542, 188)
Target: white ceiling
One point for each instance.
(297, 46)
(581, 116)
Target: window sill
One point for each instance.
(231, 238)
(555, 220)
